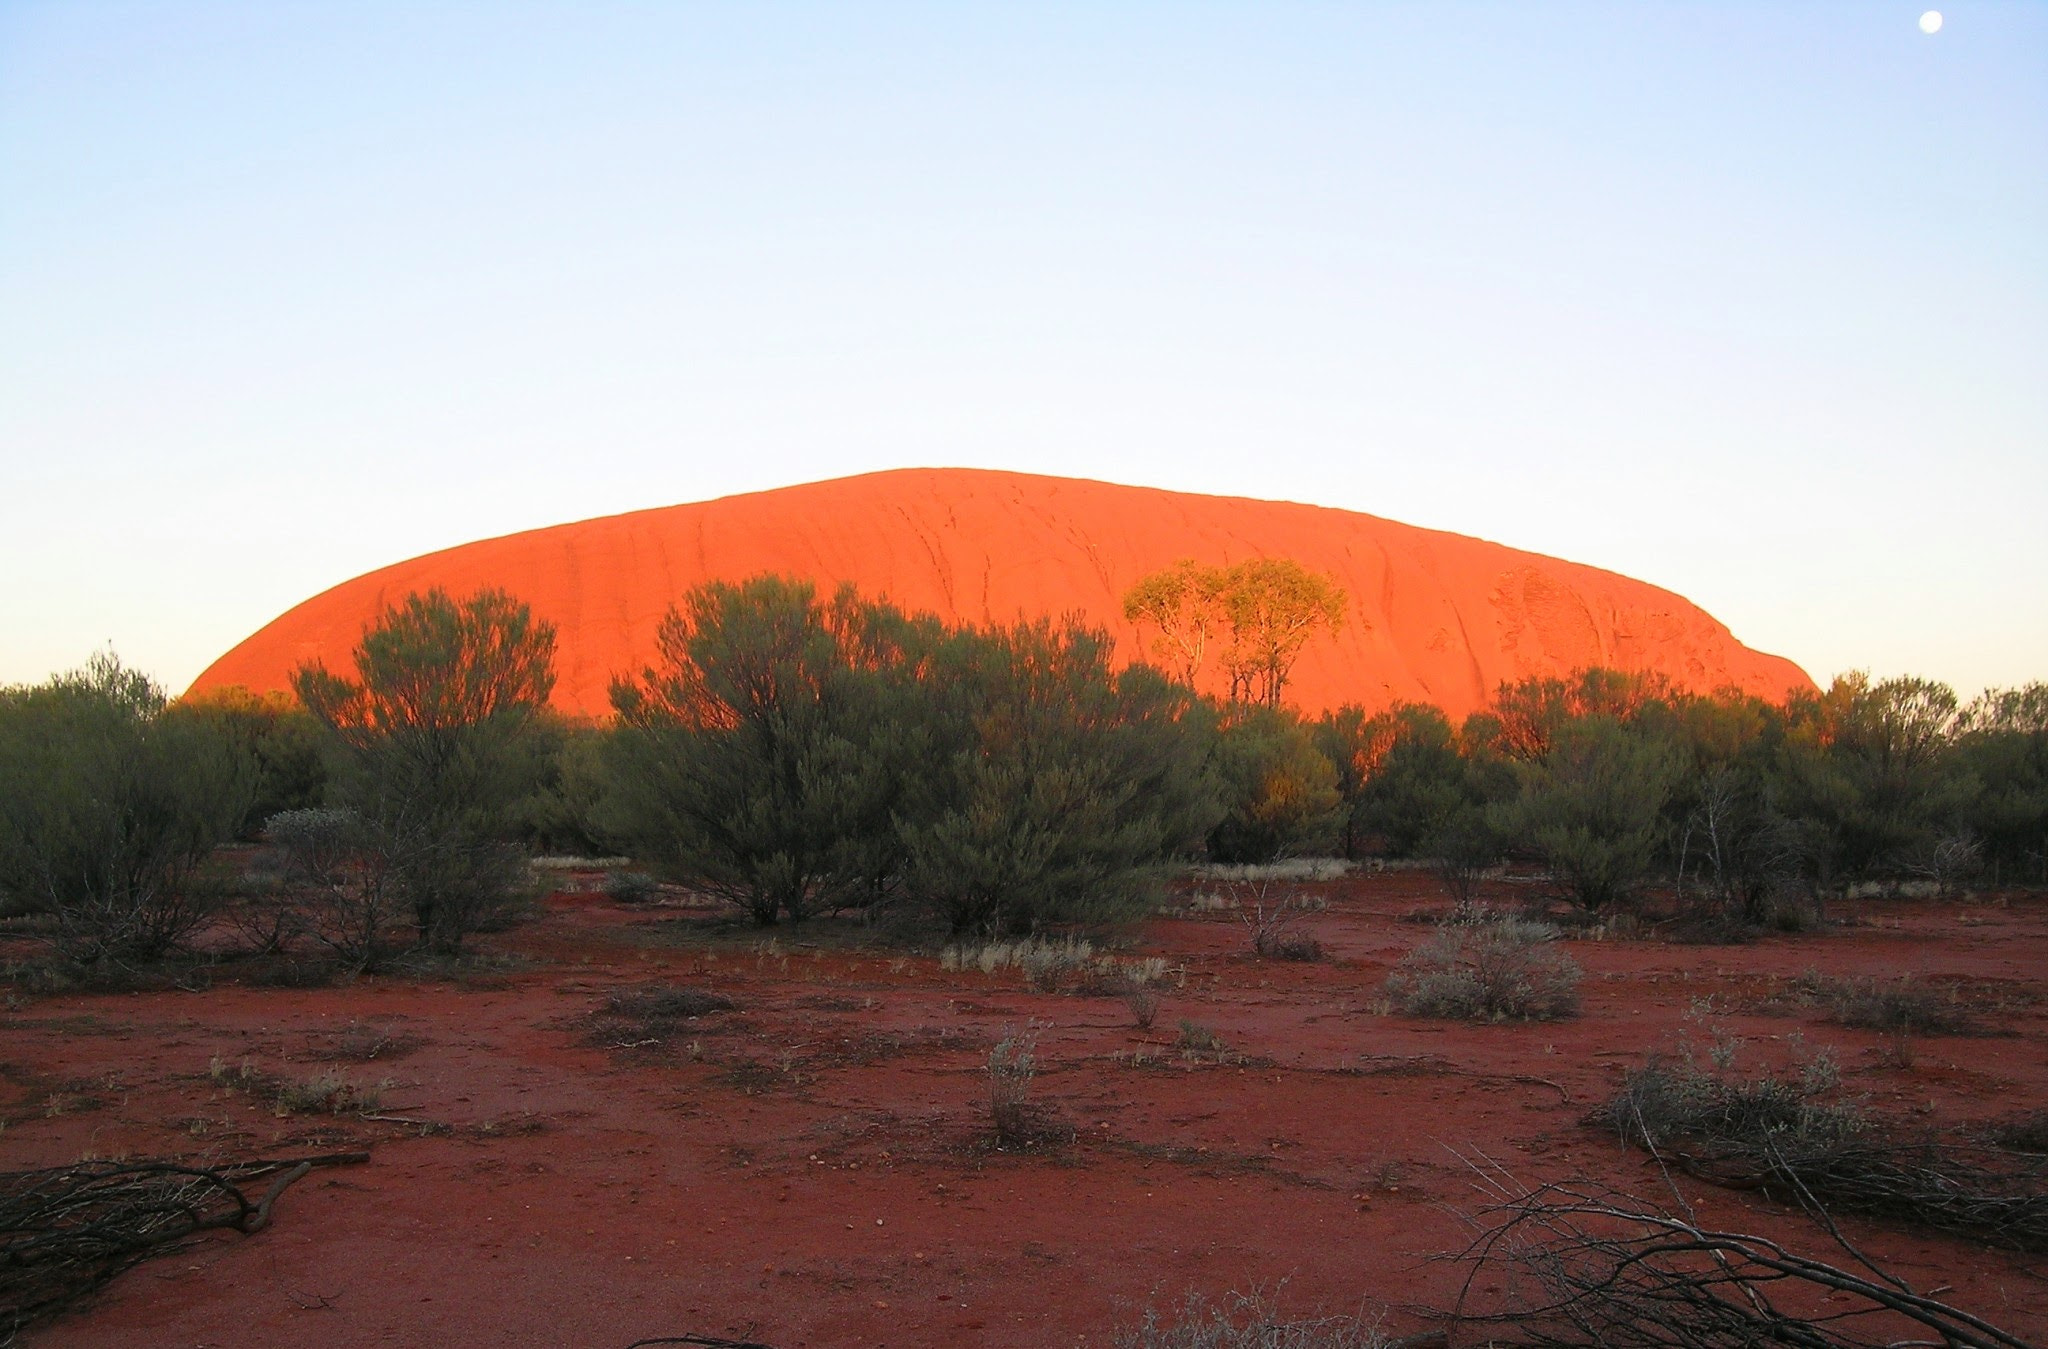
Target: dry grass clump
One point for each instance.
(1896, 1006)
(1019, 1123)
(1197, 1041)
(2027, 1133)
(1245, 1321)
(325, 1093)
(1491, 967)
(360, 1043)
(654, 1003)
(1054, 965)
(1276, 934)
(647, 1017)
(631, 887)
(1791, 1136)
(1287, 869)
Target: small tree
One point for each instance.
(433, 738)
(2004, 748)
(1062, 786)
(338, 885)
(761, 759)
(1274, 606)
(1264, 611)
(110, 801)
(1182, 603)
(1593, 805)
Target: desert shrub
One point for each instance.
(1892, 1005)
(325, 1093)
(434, 743)
(1197, 1040)
(630, 887)
(1279, 792)
(282, 741)
(761, 759)
(1017, 1121)
(1670, 1102)
(2027, 1132)
(1492, 968)
(336, 885)
(793, 756)
(1273, 924)
(1868, 774)
(1592, 807)
(1791, 1135)
(2004, 750)
(1143, 1003)
(1245, 1321)
(1060, 788)
(111, 801)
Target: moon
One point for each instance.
(1930, 22)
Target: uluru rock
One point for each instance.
(1430, 616)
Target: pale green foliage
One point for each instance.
(1491, 968)
(1255, 617)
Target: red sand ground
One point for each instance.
(818, 1171)
(1432, 617)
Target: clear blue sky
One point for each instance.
(1747, 300)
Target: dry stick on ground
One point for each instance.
(1613, 1270)
(1392, 1063)
(66, 1231)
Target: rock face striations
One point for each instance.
(1430, 616)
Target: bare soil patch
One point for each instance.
(646, 1122)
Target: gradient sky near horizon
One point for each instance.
(1746, 300)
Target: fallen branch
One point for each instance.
(66, 1231)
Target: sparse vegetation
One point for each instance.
(1018, 1122)
(1793, 1136)
(1490, 967)
(1246, 1321)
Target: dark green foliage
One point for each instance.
(1279, 791)
(793, 756)
(280, 737)
(1592, 807)
(1058, 786)
(1868, 777)
(110, 802)
(764, 758)
(434, 743)
(562, 811)
(2004, 752)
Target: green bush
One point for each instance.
(1279, 791)
(434, 743)
(1592, 806)
(111, 801)
(793, 756)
